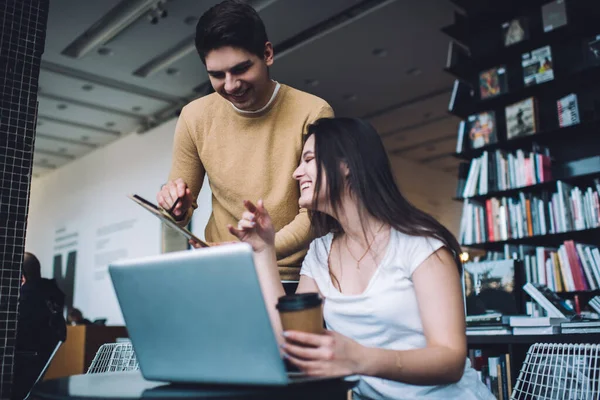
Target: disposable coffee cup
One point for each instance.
(301, 312)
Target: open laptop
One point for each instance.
(199, 317)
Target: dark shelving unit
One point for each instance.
(478, 28)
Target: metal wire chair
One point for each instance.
(114, 357)
(559, 371)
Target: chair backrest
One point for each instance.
(559, 371)
(114, 357)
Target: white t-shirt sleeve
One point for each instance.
(310, 260)
(417, 249)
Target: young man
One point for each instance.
(247, 137)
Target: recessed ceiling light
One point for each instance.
(61, 106)
(87, 87)
(312, 82)
(136, 108)
(110, 124)
(350, 97)
(172, 71)
(191, 20)
(105, 51)
(380, 52)
(413, 72)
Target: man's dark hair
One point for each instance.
(31, 267)
(231, 23)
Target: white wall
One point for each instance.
(430, 190)
(83, 206)
(85, 203)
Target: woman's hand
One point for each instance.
(329, 354)
(255, 227)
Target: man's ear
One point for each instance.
(268, 54)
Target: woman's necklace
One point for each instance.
(358, 260)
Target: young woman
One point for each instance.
(389, 274)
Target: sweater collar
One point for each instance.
(262, 109)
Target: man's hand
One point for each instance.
(170, 192)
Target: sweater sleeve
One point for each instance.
(296, 236)
(186, 163)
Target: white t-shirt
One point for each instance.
(386, 315)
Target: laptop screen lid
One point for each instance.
(199, 317)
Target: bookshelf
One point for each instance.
(520, 72)
(550, 240)
(551, 137)
(537, 188)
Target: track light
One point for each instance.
(110, 25)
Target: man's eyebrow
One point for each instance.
(241, 65)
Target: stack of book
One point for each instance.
(526, 325)
(488, 324)
(580, 327)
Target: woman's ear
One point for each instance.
(344, 169)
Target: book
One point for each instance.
(515, 31)
(489, 332)
(594, 304)
(581, 324)
(537, 66)
(460, 142)
(522, 321)
(166, 218)
(492, 288)
(482, 129)
(568, 111)
(554, 15)
(521, 118)
(492, 82)
(536, 330)
(457, 55)
(592, 50)
(549, 301)
(461, 98)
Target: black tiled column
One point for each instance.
(22, 38)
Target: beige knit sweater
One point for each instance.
(249, 157)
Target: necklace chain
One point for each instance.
(358, 260)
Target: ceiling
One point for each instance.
(376, 59)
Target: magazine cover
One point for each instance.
(593, 51)
(492, 82)
(554, 15)
(482, 129)
(568, 111)
(537, 66)
(491, 287)
(515, 31)
(521, 119)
